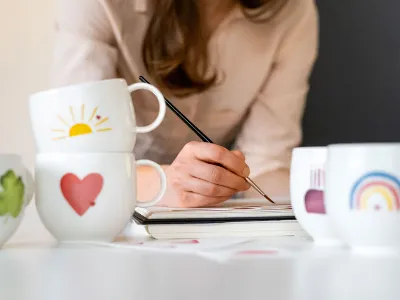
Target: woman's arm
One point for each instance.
(84, 49)
(273, 126)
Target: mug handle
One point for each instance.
(163, 181)
(30, 187)
(161, 102)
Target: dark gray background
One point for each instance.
(355, 85)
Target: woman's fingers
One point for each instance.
(215, 154)
(205, 174)
(239, 154)
(206, 188)
(217, 175)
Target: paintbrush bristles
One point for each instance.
(269, 199)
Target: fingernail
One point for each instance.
(246, 171)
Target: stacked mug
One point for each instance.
(85, 173)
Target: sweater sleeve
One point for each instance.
(273, 126)
(85, 47)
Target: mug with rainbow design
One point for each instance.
(363, 194)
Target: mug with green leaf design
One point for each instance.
(16, 191)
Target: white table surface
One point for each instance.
(33, 267)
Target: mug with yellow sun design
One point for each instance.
(90, 117)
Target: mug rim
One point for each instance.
(71, 87)
(363, 145)
(309, 148)
(80, 153)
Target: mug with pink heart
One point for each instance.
(85, 174)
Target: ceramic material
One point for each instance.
(307, 184)
(88, 197)
(90, 117)
(363, 195)
(16, 192)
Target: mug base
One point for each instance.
(106, 243)
(96, 244)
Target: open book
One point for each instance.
(238, 217)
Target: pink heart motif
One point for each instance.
(81, 194)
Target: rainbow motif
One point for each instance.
(376, 191)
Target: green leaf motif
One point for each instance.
(12, 196)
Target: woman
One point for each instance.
(237, 68)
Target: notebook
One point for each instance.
(233, 218)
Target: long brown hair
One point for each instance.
(175, 45)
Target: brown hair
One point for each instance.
(175, 45)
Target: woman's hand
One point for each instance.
(196, 178)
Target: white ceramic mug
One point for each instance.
(363, 195)
(307, 185)
(90, 117)
(88, 197)
(16, 192)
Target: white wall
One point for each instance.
(26, 45)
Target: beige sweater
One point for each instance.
(257, 109)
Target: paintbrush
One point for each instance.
(204, 138)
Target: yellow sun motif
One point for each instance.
(74, 128)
